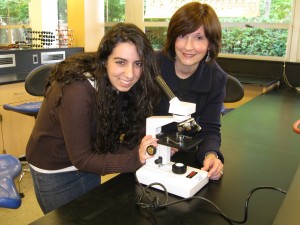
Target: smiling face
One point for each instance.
(124, 66)
(190, 49)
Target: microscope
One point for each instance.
(177, 178)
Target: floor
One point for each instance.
(29, 211)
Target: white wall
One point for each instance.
(94, 24)
(293, 44)
(43, 16)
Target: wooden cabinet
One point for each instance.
(15, 127)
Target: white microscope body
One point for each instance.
(177, 178)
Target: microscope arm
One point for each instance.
(164, 87)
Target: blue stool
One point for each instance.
(29, 108)
(10, 168)
(35, 84)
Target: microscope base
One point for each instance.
(183, 185)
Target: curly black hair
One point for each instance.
(122, 115)
(79, 66)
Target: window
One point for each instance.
(260, 28)
(114, 11)
(264, 33)
(14, 21)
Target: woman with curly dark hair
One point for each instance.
(92, 119)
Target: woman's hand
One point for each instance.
(173, 150)
(146, 141)
(213, 165)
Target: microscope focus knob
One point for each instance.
(179, 168)
(151, 150)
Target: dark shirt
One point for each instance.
(64, 132)
(207, 89)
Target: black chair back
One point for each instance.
(234, 90)
(36, 80)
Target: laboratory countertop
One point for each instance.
(260, 149)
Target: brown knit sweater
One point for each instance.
(63, 135)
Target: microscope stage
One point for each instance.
(185, 143)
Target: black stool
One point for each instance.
(234, 92)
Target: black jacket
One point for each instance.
(207, 90)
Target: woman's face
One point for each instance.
(124, 66)
(191, 48)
